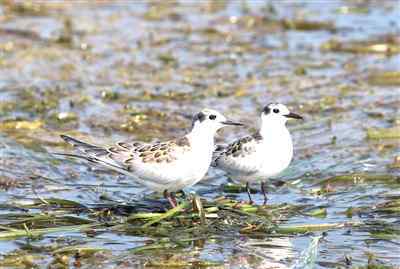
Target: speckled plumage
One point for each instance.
(146, 161)
(242, 147)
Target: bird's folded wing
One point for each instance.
(113, 157)
(237, 157)
(157, 153)
(117, 158)
(136, 158)
(154, 160)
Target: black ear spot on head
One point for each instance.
(199, 117)
(212, 117)
(266, 110)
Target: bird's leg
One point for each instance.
(173, 196)
(248, 193)
(264, 192)
(171, 200)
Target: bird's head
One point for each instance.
(278, 113)
(209, 119)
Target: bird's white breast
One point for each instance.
(189, 166)
(194, 166)
(276, 152)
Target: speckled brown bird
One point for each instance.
(163, 166)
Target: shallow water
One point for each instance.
(111, 71)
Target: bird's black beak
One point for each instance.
(294, 116)
(229, 122)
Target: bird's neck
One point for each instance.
(274, 128)
(201, 136)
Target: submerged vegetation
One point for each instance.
(175, 228)
(137, 71)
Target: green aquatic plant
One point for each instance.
(305, 25)
(370, 46)
(383, 133)
(15, 233)
(385, 78)
(359, 178)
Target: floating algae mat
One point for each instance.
(62, 215)
(138, 71)
(175, 229)
(384, 133)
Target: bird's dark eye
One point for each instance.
(212, 117)
(276, 110)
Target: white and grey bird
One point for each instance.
(265, 154)
(163, 166)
